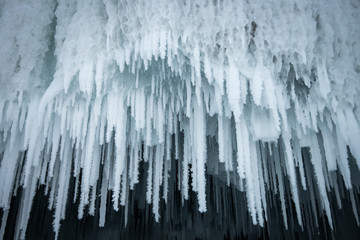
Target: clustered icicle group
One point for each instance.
(111, 83)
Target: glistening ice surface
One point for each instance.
(262, 95)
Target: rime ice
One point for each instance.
(103, 85)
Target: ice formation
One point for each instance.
(91, 88)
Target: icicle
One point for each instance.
(353, 131)
(149, 178)
(221, 139)
(166, 180)
(103, 194)
(62, 192)
(276, 159)
(120, 158)
(157, 180)
(7, 174)
(317, 163)
(298, 156)
(256, 185)
(292, 175)
(187, 156)
(200, 149)
(240, 151)
(124, 187)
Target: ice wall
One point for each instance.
(102, 85)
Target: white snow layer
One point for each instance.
(91, 83)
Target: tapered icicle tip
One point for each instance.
(113, 99)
